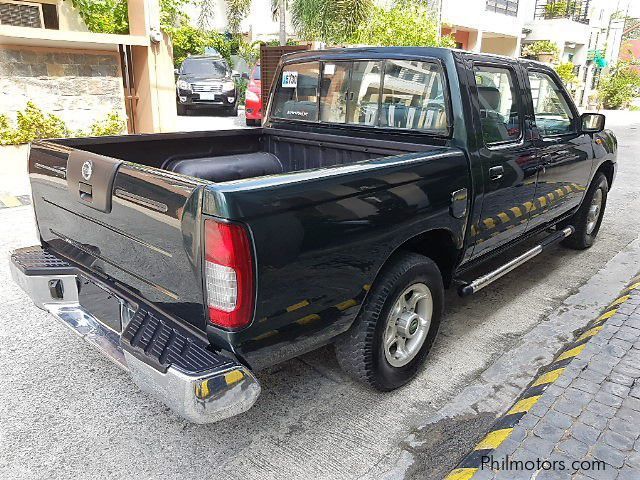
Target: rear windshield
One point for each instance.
(205, 66)
(400, 94)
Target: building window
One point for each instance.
(506, 7)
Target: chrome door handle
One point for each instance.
(496, 173)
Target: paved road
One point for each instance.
(67, 412)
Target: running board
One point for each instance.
(481, 282)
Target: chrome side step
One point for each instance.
(481, 282)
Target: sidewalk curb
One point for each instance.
(546, 376)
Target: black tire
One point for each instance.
(582, 238)
(360, 351)
(182, 110)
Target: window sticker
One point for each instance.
(329, 68)
(289, 79)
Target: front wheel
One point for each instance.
(391, 337)
(588, 218)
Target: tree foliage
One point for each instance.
(188, 40)
(331, 21)
(237, 10)
(406, 23)
(103, 16)
(565, 72)
(620, 86)
(112, 16)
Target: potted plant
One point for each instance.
(542, 50)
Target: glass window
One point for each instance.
(499, 112)
(205, 66)
(334, 91)
(364, 93)
(296, 94)
(552, 112)
(413, 96)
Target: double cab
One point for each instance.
(380, 177)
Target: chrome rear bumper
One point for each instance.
(209, 389)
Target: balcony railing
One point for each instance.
(576, 10)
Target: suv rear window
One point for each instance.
(399, 94)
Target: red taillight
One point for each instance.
(228, 269)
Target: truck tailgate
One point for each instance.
(135, 226)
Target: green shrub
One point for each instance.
(188, 40)
(618, 88)
(34, 124)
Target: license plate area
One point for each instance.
(100, 303)
(208, 96)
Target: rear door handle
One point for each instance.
(496, 173)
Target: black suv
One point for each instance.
(206, 82)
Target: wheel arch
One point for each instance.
(608, 169)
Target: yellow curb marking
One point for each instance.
(516, 211)
(620, 300)
(549, 377)
(268, 334)
(346, 304)
(489, 222)
(297, 306)
(606, 315)
(524, 405)
(308, 319)
(633, 287)
(494, 439)
(10, 201)
(590, 333)
(571, 353)
(504, 217)
(233, 377)
(461, 474)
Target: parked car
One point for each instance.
(253, 99)
(206, 82)
(381, 177)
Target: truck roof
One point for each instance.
(354, 53)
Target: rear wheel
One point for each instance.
(398, 323)
(588, 218)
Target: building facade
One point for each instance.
(588, 33)
(489, 26)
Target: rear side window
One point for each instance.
(499, 111)
(552, 112)
(413, 96)
(296, 94)
(399, 94)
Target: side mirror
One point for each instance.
(235, 74)
(591, 122)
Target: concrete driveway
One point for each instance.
(66, 412)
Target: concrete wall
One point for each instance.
(78, 86)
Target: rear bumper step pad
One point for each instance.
(163, 358)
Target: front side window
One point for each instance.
(499, 110)
(296, 94)
(552, 112)
(413, 96)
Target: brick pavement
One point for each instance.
(588, 420)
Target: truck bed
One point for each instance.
(293, 151)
